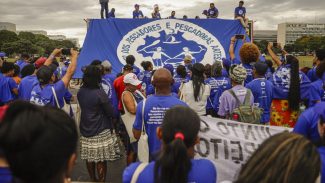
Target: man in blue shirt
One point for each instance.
(319, 56)
(213, 11)
(262, 90)
(240, 14)
(8, 87)
(137, 13)
(27, 84)
(172, 16)
(130, 59)
(25, 59)
(154, 109)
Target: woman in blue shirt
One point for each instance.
(179, 134)
(137, 13)
(145, 76)
(317, 93)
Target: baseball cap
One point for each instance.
(188, 58)
(131, 79)
(238, 73)
(261, 68)
(40, 62)
(106, 64)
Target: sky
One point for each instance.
(66, 16)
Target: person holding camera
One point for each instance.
(49, 92)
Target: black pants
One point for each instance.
(104, 7)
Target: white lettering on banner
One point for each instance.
(228, 144)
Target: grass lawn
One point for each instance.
(304, 61)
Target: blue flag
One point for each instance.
(163, 41)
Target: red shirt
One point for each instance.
(119, 88)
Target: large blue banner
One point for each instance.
(161, 41)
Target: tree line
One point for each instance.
(27, 42)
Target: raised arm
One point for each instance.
(52, 56)
(274, 57)
(232, 48)
(71, 69)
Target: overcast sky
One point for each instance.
(66, 16)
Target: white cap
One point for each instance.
(106, 64)
(131, 79)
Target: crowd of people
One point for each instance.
(162, 108)
(211, 12)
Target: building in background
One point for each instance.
(8, 26)
(288, 33)
(265, 35)
(57, 37)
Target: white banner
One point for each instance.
(228, 144)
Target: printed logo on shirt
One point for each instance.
(168, 42)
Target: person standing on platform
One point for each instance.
(240, 14)
(172, 15)
(111, 14)
(213, 12)
(155, 13)
(137, 13)
(104, 8)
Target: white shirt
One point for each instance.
(187, 95)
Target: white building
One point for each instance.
(8, 26)
(57, 37)
(42, 32)
(288, 33)
(266, 35)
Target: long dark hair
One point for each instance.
(294, 88)
(198, 79)
(281, 158)
(92, 77)
(174, 163)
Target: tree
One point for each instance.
(21, 46)
(27, 36)
(7, 37)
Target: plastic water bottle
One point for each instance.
(235, 117)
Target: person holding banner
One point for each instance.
(155, 13)
(285, 157)
(137, 13)
(154, 109)
(291, 87)
(240, 14)
(178, 134)
(172, 15)
(212, 12)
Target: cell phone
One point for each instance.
(275, 44)
(66, 51)
(239, 36)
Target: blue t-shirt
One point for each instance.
(307, 124)
(316, 92)
(202, 171)
(136, 70)
(5, 175)
(281, 83)
(137, 14)
(26, 86)
(7, 84)
(249, 70)
(240, 11)
(213, 11)
(178, 80)
(155, 108)
(21, 64)
(321, 151)
(262, 90)
(312, 74)
(145, 77)
(111, 15)
(225, 73)
(45, 96)
(218, 85)
(107, 86)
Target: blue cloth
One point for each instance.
(321, 151)
(225, 73)
(137, 14)
(218, 86)
(307, 124)
(262, 90)
(145, 77)
(155, 108)
(235, 61)
(45, 96)
(240, 11)
(7, 84)
(107, 85)
(26, 86)
(281, 83)
(316, 92)
(5, 175)
(114, 39)
(202, 171)
(312, 74)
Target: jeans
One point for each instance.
(104, 6)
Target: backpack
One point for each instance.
(246, 112)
